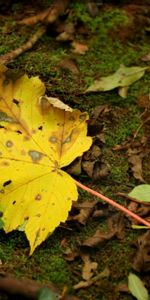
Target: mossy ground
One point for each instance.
(106, 52)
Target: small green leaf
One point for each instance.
(46, 294)
(123, 77)
(137, 287)
(141, 192)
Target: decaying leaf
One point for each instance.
(37, 141)
(123, 77)
(94, 280)
(135, 158)
(89, 267)
(142, 258)
(141, 192)
(115, 228)
(86, 209)
(69, 64)
(79, 47)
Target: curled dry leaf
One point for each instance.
(116, 226)
(146, 57)
(94, 280)
(86, 210)
(70, 65)
(54, 102)
(89, 267)
(94, 165)
(79, 48)
(141, 260)
(135, 158)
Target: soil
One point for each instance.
(116, 32)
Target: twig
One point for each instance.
(50, 16)
(113, 203)
(26, 288)
(6, 58)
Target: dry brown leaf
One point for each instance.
(79, 48)
(69, 64)
(86, 210)
(75, 167)
(94, 280)
(142, 258)
(146, 57)
(116, 227)
(135, 158)
(89, 267)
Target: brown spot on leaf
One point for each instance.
(26, 218)
(53, 139)
(38, 215)
(5, 163)
(2, 191)
(14, 202)
(82, 117)
(35, 155)
(38, 197)
(43, 229)
(26, 138)
(1, 214)
(9, 144)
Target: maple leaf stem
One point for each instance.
(113, 203)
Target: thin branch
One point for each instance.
(6, 58)
(113, 203)
(49, 16)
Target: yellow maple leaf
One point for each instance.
(36, 141)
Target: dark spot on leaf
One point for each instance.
(6, 183)
(1, 214)
(26, 218)
(18, 131)
(53, 139)
(40, 127)
(38, 197)
(82, 117)
(9, 144)
(35, 155)
(1, 126)
(14, 202)
(16, 102)
(2, 191)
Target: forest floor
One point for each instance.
(111, 35)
